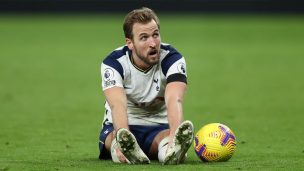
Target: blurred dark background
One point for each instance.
(201, 6)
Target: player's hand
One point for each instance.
(118, 153)
(120, 156)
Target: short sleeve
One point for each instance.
(110, 77)
(178, 67)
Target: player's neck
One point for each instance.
(139, 64)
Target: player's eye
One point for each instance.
(143, 38)
(156, 35)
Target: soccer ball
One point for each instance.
(214, 142)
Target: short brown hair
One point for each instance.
(142, 15)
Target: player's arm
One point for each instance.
(112, 84)
(117, 100)
(174, 95)
(174, 67)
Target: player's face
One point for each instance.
(145, 45)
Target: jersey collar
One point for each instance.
(133, 63)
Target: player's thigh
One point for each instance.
(108, 141)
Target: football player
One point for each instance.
(144, 83)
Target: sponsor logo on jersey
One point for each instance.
(109, 83)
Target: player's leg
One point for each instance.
(159, 145)
(105, 141)
(108, 146)
(177, 153)
(182, 140)
(129, 147)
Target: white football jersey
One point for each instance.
(144, 89)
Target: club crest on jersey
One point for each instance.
(156, 82)
(181, 68)
(108, 75)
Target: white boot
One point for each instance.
(181, 142)
(130, 149)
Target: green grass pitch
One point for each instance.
(243, 71)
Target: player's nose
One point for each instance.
(152, 43)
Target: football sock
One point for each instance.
(113, 151)
(162, 149)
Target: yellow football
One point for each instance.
(215, 142)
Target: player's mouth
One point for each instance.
(153, 53)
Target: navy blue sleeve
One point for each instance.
(111, 60)
(170, 58)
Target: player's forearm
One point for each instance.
(119, 116)
(175, 113)
(174, 96)
(117, 100)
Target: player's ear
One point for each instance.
(129, 43)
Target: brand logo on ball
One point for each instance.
(181, 68)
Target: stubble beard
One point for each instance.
(145, 58)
